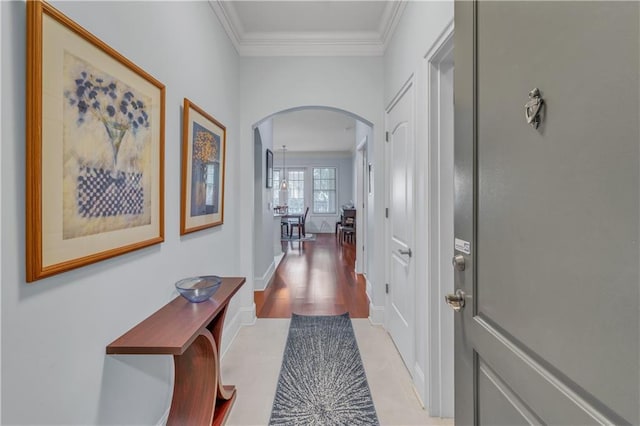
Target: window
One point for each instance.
(276, 187)
(296, 191)
(324, 190)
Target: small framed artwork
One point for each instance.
(95, 148)
(203, 168)
(269, 168)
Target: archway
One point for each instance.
(262, 219)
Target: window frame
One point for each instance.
(335, 190)
(275, 196)
(304, 171)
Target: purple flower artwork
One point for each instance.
(106, 151)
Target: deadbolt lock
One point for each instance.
(458, 262)
(456, 300)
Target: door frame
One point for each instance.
(438, 393)
(362, 184)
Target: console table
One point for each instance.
(190, 332)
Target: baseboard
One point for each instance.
(244, 316)
(369, 289)
(419, 385)
(164, 418)
(376, 314)
(277, 259)
(260, 283)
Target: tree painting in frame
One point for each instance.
(203, 169)
(95, 148)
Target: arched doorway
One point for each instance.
(348, 166)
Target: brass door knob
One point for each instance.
(456, 300)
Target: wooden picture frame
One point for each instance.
(204, 142)
(94, 148)
(269, 168)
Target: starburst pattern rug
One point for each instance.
(322, 380)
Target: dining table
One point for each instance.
(288, 217)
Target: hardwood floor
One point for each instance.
(315, 278)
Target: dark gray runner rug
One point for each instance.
(322, 380)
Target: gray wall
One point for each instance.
(54, 331)
(343, 161)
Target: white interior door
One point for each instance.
(400, 273)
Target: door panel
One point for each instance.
(401, 225)
(552, 282)
(497, 404)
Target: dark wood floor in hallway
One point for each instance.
(315, 278)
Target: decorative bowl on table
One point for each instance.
(198, 289)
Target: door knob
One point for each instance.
(407, 252)
(456, 300)
(458, 262)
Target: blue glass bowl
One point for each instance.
(198, 289)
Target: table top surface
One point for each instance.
(289, 215)
(172, 328)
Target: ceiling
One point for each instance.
(309, 27)
(313, 130)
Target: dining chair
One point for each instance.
(300, 225)
(347, 220)
(348, 229)
(284, 228)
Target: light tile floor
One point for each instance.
(252, 363)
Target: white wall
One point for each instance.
(54, 331)
(263, 220)
(274, 84)
(421, 24)
(343, 162)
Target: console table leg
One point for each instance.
(226, 395)
(196, 383)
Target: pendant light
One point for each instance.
(284, 185)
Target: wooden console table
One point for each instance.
(190, 332)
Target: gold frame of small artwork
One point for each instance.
(204, 148)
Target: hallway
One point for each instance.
(253, 363)
(315, 278)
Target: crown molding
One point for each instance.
(371, 43)
(391, 17)
(229, 21)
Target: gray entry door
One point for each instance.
(550, 331)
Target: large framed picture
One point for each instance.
(203, 168)
(269, 168)
(95, 148)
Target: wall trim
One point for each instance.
(376, 314)
(439, 348)
(245, 316)
(260, 283)
(323, 43)
(165, 417)
(369, 290)
(419, 384)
